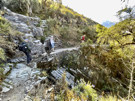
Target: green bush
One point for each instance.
(42, 39)
(1, 74)
(23, 6)
(86, 90)
(51, 22)
(2, 55)
(4, 26)
(82, 92)
(64, 32)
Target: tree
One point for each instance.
(101, 33)
(128, 11)
(124, 0)
(121, 37)
(44, 4)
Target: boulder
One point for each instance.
(7, 68)
(57, 74)
(37, 31)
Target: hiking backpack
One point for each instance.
(82, 37)
(24, 47)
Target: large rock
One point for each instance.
(7, 68)
(37, 48)
(14, 17)
(6, 87)
(59, 73)
(37, 31)
(25, 24)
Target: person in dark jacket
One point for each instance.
(24, 48)
(48, 46)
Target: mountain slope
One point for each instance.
(62, 22)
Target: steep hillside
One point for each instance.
(99, 69)
(62, 21)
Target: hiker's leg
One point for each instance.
(52, 46)
(28, 57)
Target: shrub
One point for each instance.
(4, 26)
(24, 6)
(1, 74)
(2, 55)
(83, 91)
(42, 39)
(86, 90)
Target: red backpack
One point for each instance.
(83, 37)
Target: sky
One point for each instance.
(98, 10)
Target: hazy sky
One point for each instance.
(97, 10)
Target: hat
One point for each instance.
(26, 40)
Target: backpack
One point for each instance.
(49, 43)
(82, 37)
(24, 47)
(48, 46)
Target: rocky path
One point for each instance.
(23, 79)
(64, 49)
(18, 83)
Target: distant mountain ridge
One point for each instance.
(108, 24)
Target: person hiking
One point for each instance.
(52, 43)
(83, 38)
(48, 46)
(24, 48)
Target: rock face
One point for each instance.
(30, 28)
(58, 75)
(7, 68)
(22, 79)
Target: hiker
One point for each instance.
(52, 43)
(83, 38)
(48, 46)
(24, 47)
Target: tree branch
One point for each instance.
(132, 43)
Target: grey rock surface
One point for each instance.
(25, 78)
(58, 75)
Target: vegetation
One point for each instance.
(109, 98)
(120, 37)
(1, 74)
(62, 21)
(2, 55)
(7, 46)
(6, 37)
(108, 64)
(112, 60)
(83, 91)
